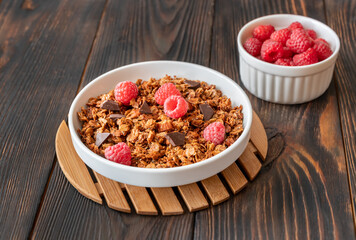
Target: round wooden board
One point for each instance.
(144, 199)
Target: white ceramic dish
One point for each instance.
(283, 84)
(160, 177)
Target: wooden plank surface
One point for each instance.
(43, 52)
(234, 178)
(131, 32)
(215, 189)
(193, 197)
(66, 214)
(258, 137)
(151, 31)
(341, 18)
(141, 200)
(302, 191)
(113, 194)
(250, 163)
(73, 166)
(167, 201)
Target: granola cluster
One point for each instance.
(145, 133)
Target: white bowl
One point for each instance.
(170, 176)
(284, 84)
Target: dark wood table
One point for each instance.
(49, 50)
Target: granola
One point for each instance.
(145, 134)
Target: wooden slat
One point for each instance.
(167, 201)
(99, 189)
(193, 197)
(215, 189)
(72, 165)
(113, 194)
(122, 186)
(234, 178)
(253, 148)
(250, 163)
(141, 200)
(258, 136)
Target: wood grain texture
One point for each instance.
(167, 201)
(73, 166)
(131, 32)
(301, 191)
(193, 197)
(258, 137)
(40, 68)
(151, 30)
(341, 18)
(250, 163)
(113, 194)
(66, 214)
(215, 189)
(141, 200)
(234, 178)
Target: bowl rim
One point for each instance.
(288, 70)
(247, 111)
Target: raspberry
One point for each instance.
(263, 32)
(253, 46)
(175, 106)
(271, 50)
(321, 40)
(295, 25)
(166, 90)
(284, 62)
(308, 57)
(125, 91)
(291, 46)
(323, 50)
(311, 33)
(287, 53)
(119, 153)
(281, 35)
(215, 133)
(299, 41)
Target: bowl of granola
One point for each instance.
(160, 123)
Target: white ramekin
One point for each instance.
(170, 176)
(284, 84)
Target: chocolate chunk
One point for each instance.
(175, 138)
(116, 116)
(206, 110)
(110, 105)
(145, 108)
(100, 138)
(192, 84)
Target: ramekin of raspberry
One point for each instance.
(287, 59)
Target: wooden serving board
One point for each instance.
(169, 200)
